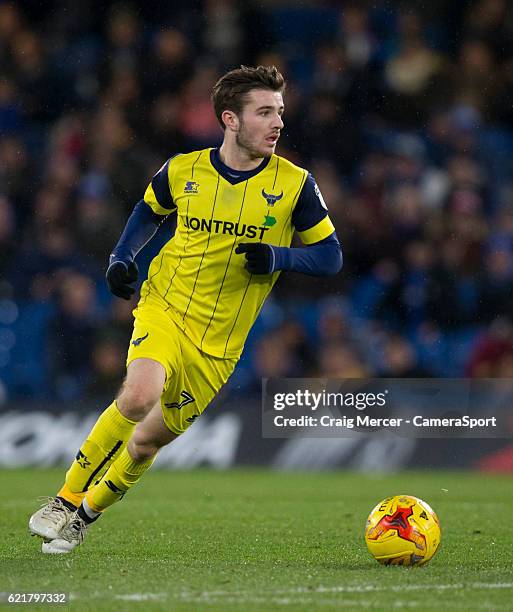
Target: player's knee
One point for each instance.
(135, 402)
(141, 448)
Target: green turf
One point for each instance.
(259, 540)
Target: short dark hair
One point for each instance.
(230, 91)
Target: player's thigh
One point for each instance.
(152, 359)
(150, 434)
(142, 388)
(194, 386)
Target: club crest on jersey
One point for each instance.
(271, 198)
(191, 187)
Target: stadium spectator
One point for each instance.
(70, 336)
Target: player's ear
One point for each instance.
(230, 120)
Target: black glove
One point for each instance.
(120, 276)
(259, 257)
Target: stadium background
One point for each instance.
(402, 111)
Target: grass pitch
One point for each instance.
(261, 540)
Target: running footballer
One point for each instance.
(237, 208)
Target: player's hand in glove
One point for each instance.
(259, 257)
(120, 277)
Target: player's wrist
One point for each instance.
(280, 258)
(118, 258)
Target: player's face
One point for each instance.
(260, 123)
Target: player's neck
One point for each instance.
(238, 159)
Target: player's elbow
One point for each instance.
(338, 261)
(334, 262)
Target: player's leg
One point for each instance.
(149, 436)
(189, 391)
(193, 380)
(108, 438)
(140, 391)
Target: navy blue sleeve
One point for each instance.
(158, 193)
(310, 208)
(320, 259)
(140, 227)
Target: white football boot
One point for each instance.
(48, 521)
(70, 536)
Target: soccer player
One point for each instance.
(237, 208)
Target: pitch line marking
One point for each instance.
(369, 588)
(281, 595)
(142, 596)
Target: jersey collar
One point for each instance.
(231, 175)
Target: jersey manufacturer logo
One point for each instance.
(138, 341)
(191, 187)
(187, 399)
(271, 198)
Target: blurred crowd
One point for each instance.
(403, 112)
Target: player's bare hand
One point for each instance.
(120, 277)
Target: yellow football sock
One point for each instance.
(68, 495)
(121, 476)
(104, 443)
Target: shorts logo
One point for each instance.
(187, 399)
(138, 341)
(271, 198)
(191, 187)
(192, 418)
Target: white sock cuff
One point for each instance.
(88, 510)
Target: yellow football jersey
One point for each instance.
(210, 295)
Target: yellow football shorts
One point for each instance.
(193, 378)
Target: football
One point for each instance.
(402, 530)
